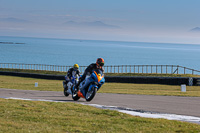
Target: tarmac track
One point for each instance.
(189, 106)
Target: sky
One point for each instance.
(167, 21)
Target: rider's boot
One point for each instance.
(64, 84)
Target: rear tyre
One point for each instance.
(90, 94)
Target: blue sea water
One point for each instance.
(69, 51)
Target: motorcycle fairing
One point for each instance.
(99, 77)
(95, 80)
(80, 94)
(92, 85)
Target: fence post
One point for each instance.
(184, 70)
(147, 71)
(156, 69)
(138, 69)
(177, 69)
(142, 68)
(118, 68)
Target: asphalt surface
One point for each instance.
(163, 104)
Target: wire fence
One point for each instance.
(158, 69)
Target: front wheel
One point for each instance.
(65, 92)
(90, 94)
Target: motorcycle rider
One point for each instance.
(98, 65)
(71, 73)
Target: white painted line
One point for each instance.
(31, 99)
(164, 116)
(146, 114)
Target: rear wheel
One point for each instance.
(90, 94)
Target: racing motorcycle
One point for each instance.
(89, 87)
(69, 86)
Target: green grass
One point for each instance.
(34, 116)
(13, 82)
(150, 89)
(106, 74)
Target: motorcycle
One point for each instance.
(68, 86)
(89, 87)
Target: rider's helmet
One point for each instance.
(76, 66)
(100, 62)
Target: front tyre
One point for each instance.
(65, 92)
(90, 94)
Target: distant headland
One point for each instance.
(11, 43)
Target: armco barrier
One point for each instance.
(116, 79)
(33, 75)
(150, 80)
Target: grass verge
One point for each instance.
(150, 89)
(31, 116)
(13, 82)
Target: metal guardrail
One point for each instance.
(158, 69)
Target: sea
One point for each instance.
(51, 51)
